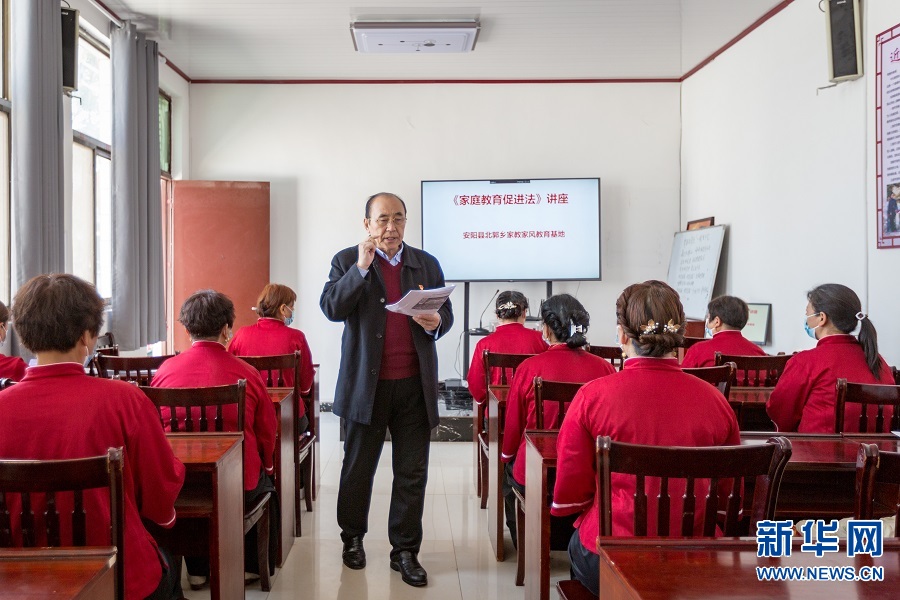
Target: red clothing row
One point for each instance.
(729, 341)
(558, 363)
(510, 338)
(271, 337)
(651, 401)
(804, 397)
(57, 412)
(208, 364)
(12, 367)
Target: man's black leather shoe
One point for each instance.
(410, 569)
(354, 554)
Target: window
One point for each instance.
(83, 212)
(92, 102)
(165, 134)
(103, 216)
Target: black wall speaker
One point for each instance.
(70, 48)
(844, 45)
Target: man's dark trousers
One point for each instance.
(399, 407)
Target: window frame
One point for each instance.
(163, 172)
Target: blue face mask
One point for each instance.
(709, 332)
(810, 331)
(290, 319)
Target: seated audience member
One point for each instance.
(650, 401)
(564, 324)
(804, 397)
(208, 317)
(57, 412)
(272, 335)
(510, 337)
(11, 367)
(726, 316)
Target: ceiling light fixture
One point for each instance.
(415, 37)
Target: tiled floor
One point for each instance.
(456, 551)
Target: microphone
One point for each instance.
(480, 330)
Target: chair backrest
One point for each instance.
(107, 340)
(720, 376)
(45, 485)
(755, 371)
(611, 353)
(507, 363)
(690, 341)
(560, 392)
(273, 369)
(93, 367)
(217, 397)
(876, 469)
(896, 373)
(137, 369)
(723, 464)
(867, 395)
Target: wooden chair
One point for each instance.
(690, 341)
(896, 373)
(136, 369)
(611, 353)
(867, 395)
(507, 365)
(755, 371)
(44, 486)
(720, 376)
(214, 399)
(106, 345)
(273, 368)
(877, 471)
(561, 393)
(764, 462)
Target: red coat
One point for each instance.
(208, 364)
(12, 367)
(558, 363)
(804, 397)
(730, 341)
(510, 338)
(58, 412)
(270, 337)
(649, 402)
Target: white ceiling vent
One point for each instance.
(412, 37)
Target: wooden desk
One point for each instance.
(749, 404)
(496, 416)
(284, 466)
(210, 508)
(83, 573)
(540, 461)
(713, 569)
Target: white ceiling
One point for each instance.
(520, 39)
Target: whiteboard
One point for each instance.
(693, 267)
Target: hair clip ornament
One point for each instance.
(573, 328)
(506, 306)
(672, 327)
(650, 327)
(861, 315)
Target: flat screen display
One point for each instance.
(513, 229)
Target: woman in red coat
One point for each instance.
(564, 323)
(726, 316)
(11, 367)
(208, 316)
(58, 412)
(805, 395)
(272, 335)
(510, 337)
(650, 401)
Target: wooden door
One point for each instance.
(218, 233)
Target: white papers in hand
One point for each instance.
(422, 302)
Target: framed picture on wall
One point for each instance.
(701, 223)
(758, 326)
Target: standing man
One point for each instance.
(387, 380)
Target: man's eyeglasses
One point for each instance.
(383, 221)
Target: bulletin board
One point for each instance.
(693, 267)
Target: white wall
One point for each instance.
(325, 148)
(787, 167)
